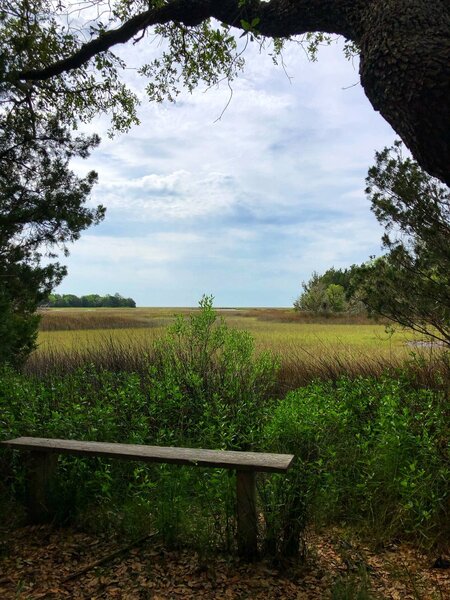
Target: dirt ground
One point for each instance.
(45, 562)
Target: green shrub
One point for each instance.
(372, 453)
(207, 386)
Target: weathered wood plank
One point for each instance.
(243, 461)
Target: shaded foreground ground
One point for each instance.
(35, 561)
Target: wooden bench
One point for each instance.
(43, 453)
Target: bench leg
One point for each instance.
(247, 529)
(40, 468)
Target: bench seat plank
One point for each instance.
(243, 461)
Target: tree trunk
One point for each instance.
(405, 73)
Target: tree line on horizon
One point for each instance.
(88, 301)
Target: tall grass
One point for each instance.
(298, 364)
(308, 348)
(68, 319)
(292, 316)
(425, 367)
(108, 353)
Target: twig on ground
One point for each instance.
(108, 557)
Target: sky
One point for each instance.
(243, 205)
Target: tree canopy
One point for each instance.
(41, 207)
(410, 284)
(63, 54)
(331, 292)
(42, 201)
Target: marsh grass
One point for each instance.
(107, 353)
(124, 340)
(288, 315)
(60, 319)
(300, 366)
(75, 319)
(308, 347)
(132, 352)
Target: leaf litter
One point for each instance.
(44, 562)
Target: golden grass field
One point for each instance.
(307, 347)
(281, 330)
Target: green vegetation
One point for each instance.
(330, 293)
(307, 347)
(411, 283)
(370, 452)
(89, 301)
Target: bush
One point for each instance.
(206, 384)
(371, 453)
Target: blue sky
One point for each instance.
(244, 207)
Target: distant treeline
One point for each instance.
(89, 301)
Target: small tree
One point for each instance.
(313, 298)
(42, 205)
(410, 284)
(207, 377)
(319, 297)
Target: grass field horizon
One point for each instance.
(308, 346)
(271, 327)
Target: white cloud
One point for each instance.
(178, 196)
(251, 203)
